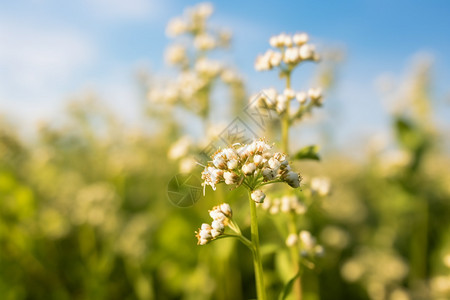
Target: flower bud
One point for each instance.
(257, 159)
(268, 174)
(300, 38)
(232, 164)
(248, 168)
(305, 52)
(216, 214)
(301, 97)
(275, 59)
(292, 178)
(230, 177)
(274, 164)
(218, 225)
(291, 240)
(289, 94)
(307, 239)
(219, 162)
(215, 233)
(258, 196)
(226, 209)
(315, 94)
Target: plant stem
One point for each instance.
(294, 249)
(292, 226)
(285, 122)
(259, 275)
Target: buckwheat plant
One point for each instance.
(194, 41)
(288, 53)
(252, 166)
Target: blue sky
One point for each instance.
(51, 50)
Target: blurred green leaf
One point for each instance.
(408, 135)
(288, 287)
(308, 152)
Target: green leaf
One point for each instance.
(308, 152)
(288, 287)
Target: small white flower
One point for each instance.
(291, 55)
(287, 41)
(176, 26)
(268, 174)
(281, 104)
(219, 162)
(319, 251)
(291, 240)
(301, 97)
(257, 159)
(226, 209)
(307, 239)
(217, 215)
(204, 42)
(206, 227)
(300, 208)
(274, 41)
(202, 241)
(292, 178)
(275, 59)
(286, 203)
(306, 52)
(176, 54)
(315, 94)
(300, 38)
(289, 94)
(232, 164)
(248, 168)
(215, 233)
(274, 163)
(275, 208)
(320, 186)
(230, 177)
(204, 10)
(258, 196)
(218, 225)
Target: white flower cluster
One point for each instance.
(221, 215)
(284, 204)
(250, 164)
(189, 84)
(291, 51)
(273, 100)
(176, 55)
(192, 21)
(308, 245)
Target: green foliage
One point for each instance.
(308, 152)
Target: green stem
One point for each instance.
(292, 226)
(259, 275)
(242, 238)
(419, 243)
(295, 257)
(285, 122)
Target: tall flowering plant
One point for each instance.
(255, 165)
(252, 166)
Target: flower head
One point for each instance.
(251, 165)
(221, 216)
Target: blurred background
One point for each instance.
(102, 103)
